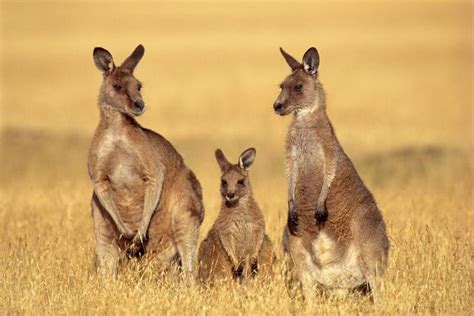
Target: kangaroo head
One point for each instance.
(120, 90)
(235, 182)
(301, 89)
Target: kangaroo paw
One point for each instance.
(238, 271)
(321, 212)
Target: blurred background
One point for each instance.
(398, 76)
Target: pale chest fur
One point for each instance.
(304, 156)
(121, 161)
(118, 160)
(244, 230)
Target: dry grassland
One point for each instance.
(399, 83)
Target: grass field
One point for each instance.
(399, 82)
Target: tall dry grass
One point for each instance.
(399, 83)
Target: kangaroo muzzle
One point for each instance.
(277, 106)
(138, 106)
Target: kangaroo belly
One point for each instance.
(307, 189)
(336, 269)
(128, 191)
(242, 234)
(246, 246)
(305, 173)
(244, 240)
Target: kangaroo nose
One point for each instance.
(277, 106)
(139, 105)
(230, 195)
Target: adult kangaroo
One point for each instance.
(145, 199)
(335, 235)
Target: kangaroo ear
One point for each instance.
(222, 160)
(293, 63)
(103, 60)
(311, 61)
(246, 158)
(132, 61)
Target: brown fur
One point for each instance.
(236, 246)
(335, 234)
(145, 198)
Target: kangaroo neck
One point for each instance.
(316, 119)
(242, 204)
(111, 118)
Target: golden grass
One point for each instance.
(398, 77)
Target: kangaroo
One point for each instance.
(335, 235)
(145, 199)
(236, 245)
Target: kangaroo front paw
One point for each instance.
(254, 267)
(321, 212)
(139, 237)
(293, 222)
(136, 247)
(293, 219)
(127, 234)
(238, 271)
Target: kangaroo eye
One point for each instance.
(223, 182)
(299, 87)
(241, 182)
(117, 87)
(139, 87)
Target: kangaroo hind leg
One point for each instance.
(107, 250)
(185, 228)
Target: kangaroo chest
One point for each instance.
(122, 162)
(304, 165)
(122, 165)
(125, 171)
(245, 232)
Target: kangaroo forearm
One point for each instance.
(325, 188)
(329, 172)
(152, 197)
(258, 247)
(228, 247)
(324, 191)
(292, 187)
(293, 198)
(107, 202)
